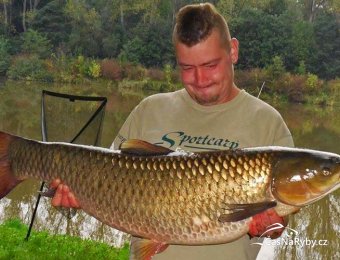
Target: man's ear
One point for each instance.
(234, 50)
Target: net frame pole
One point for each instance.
(44, 134)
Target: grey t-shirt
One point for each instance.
(175, 120)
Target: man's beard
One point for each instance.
(207, 101)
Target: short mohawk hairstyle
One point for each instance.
(194, 23)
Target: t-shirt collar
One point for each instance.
(224, 106)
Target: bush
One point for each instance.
(94, 70)
(35, 43)
(276, 69)
(4, 54)
(112, 44)
(301, 69)
(133, 72)
(83, 67)
(79, 66)
(111, 69)
(149, 85)
(149, 44)
(133, 51)
(168, 73)
(155, 74)
(61, 67)
(251, 80)
(295, 87)
(176, 76)
(29, 68)
(312, 81)
(333, 88)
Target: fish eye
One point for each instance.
(326, 171)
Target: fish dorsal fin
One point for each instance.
(145, 249)
(140, 147)
(242, 211)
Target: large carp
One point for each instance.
(168, 198)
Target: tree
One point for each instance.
(86, 28)
(52, 21)
(149, 9)
(34, 42)
(151, 45)
(231, 8)
(311, 8)
(261, 37)
(276, 7)
(28, 9)
(301, 45)
(5, 21)
(326, 63)
(4, 54)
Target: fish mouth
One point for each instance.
(313, 197)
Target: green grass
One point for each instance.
(42, 245)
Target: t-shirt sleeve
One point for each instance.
(282, 137)
(129, 130)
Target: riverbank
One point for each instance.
(41, 245)
(279, 85)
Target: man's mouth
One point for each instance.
(204, 87)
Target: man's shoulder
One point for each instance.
(258, 106)
(162, 98)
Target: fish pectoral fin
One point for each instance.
(140, 147)
(242, 211)
(145, 249)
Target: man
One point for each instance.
(211, 113)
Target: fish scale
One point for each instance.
(191, 199)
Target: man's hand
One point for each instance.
(63, 196)
(259, 227)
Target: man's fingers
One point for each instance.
(63, 196)
(55, 183)
(69, 198)
(66, 189)
(73, 201)
(64, 200)
(56, 201)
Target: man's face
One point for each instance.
(207, 70)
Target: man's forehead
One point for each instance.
(201, 53)
(203, 63)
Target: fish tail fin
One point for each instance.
(7, 180)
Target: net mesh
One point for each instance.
(75, 119)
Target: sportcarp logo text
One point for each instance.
(291, 238)
(185, 141)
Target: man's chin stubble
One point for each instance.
(207, 101)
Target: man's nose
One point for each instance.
(200, 77)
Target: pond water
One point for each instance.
(312, 127)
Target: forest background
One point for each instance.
(292, 45)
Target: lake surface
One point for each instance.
(312, 127)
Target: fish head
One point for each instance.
(304, 177)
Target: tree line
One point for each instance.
(304, 34)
